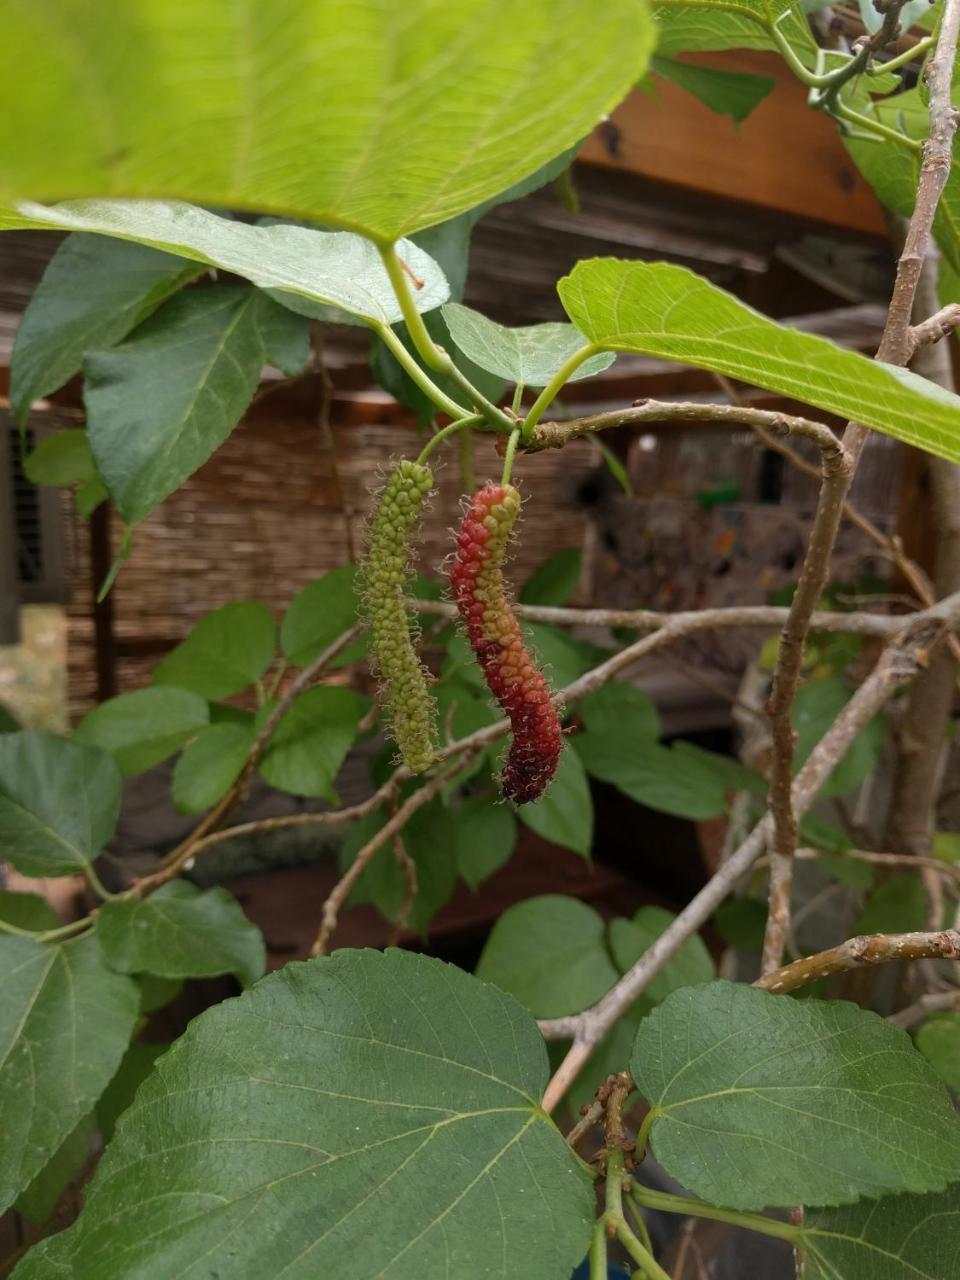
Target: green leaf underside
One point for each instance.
(896, 1238)
(554, 581)
(531, 354)
(181, 932)
(763, 1101)
(210, 765)
(27, 911)
(658, 309)
(731, 24)
(330, 269)
(143, 728)
(92, 294)
(564, 814)
(225, 652)
(65, 1020)
(179, 104)
(63, 458)
(728, 93)
(37, 1201)
(374, 1107)
(59, 802)
(551, 954)
(311, 741)
(164, 400)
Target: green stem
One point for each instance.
(473, 420)
(613, 1217)
(510, 454)
(812, 79)
(419, 375)
(598, 1252)
(639, 1225)
(96, 884)
(434, 357)
(48, 935)
(908, 55)
(668, 1203)
(646, 1261)
(879, 130)
(518, 391)
(556, 383)
(643, 1133)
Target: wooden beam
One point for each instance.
(784, 156)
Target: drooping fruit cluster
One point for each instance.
(383, 576)
(495, 637)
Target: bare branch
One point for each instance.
(933, 1002)
(859, 953)
(897, 664)
(940, 325)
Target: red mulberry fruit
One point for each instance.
(495, 637)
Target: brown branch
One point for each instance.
(862, 952)
(409, 869)
(591, 1117)
(341, 890)
(933, 1002)
(939, 325)
(897, 664)
(837, 469)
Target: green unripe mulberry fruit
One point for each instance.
(383, 576)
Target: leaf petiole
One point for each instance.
(555, 385)
(474, 420)
(510, 454)
(667, 1203)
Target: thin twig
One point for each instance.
(586, 1124)
(862, 952)
(939, 325)
(933, 1002)
(409, 869)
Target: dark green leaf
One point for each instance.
(629, 939)
(562, 657)
(353, 95)
(740, 1079)
(848, 871)
(659, 309)
(715, 768)
(8, 721)
(484, 838)
(142, 728)
(136, 1065)
(89, 495)
(564, 815)
(623, 710)
(226, 651)
(311, 741)
(210, 766)
(39, 1200)
(896, 1238)
(58, 803)
(429, 838)
(816, 706)
(612, 1054)
(322, 612)
(156, 992)
(65, 1020)
(93, 292)
(28, 911)
(549, 952)
(653, 775)
(530, 355)
(727, 93)
(181, 931)
(742, 923)
(324, 1084)
(939, 1042)
(164, 400)
(896, 906)
(554, 581)
(62, 458)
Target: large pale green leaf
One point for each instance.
(311, 741)
(336, 275)
(896, 1238)
(58, 803)
(364, 1115)
(142, 728)
(664, 310)
(564, 814)
(181, 932)
(92, 294)
(629, 939)
(731, 24)
(65, 1020)
(225, 652)
(809, 1102)
(551, 953)
(531, 354)
(364, 115)
(164, 400)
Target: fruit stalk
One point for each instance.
(495, 637)
(383, 576)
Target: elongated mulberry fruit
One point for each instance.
(383, 576)
(495, 637)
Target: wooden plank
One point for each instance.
(784, 156)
